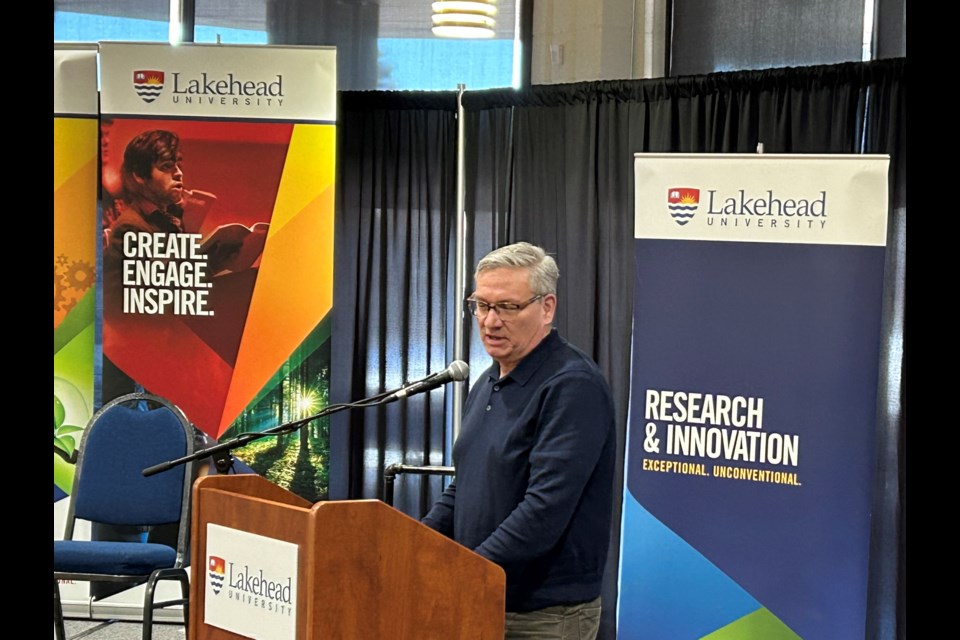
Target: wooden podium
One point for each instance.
(366, 571)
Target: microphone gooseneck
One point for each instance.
(457, 371)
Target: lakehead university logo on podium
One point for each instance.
(682, 203)
(148, 84)
(217, 568)
(251, 584)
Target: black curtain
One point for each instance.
(553, 165)
(396, 165)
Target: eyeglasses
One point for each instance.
(505, 310)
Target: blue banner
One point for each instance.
(753, 400)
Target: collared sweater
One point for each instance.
(534, 463)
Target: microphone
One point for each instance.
(457, 371)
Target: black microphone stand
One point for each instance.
(224, 460)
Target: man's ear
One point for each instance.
(549, 307)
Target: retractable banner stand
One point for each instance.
(753, 396)
(74, 260)
(218, 200)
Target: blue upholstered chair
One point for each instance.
(146, 520)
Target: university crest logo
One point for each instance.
(148, 84)
(682, 203)
(216, 571)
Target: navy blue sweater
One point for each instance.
(534, 476)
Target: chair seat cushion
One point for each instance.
(111, 558)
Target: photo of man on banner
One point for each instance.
(153, 199)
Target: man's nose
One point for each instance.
(177, 171)
(492, 319)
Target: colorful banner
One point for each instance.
(753, 396)
(218, 200)
(74, 252)
(74, 268)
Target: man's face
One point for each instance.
(509, 339)
(165, 184)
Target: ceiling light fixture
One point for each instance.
(464, 18)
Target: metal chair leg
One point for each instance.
(149, 604)
(58, 612)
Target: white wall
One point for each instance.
(586, 40)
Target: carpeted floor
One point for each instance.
(120, 630)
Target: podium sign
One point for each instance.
(251, 584)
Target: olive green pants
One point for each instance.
(563, 622)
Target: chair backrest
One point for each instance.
(123, 438)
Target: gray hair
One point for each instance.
(542, 268)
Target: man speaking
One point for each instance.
(535, 455)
